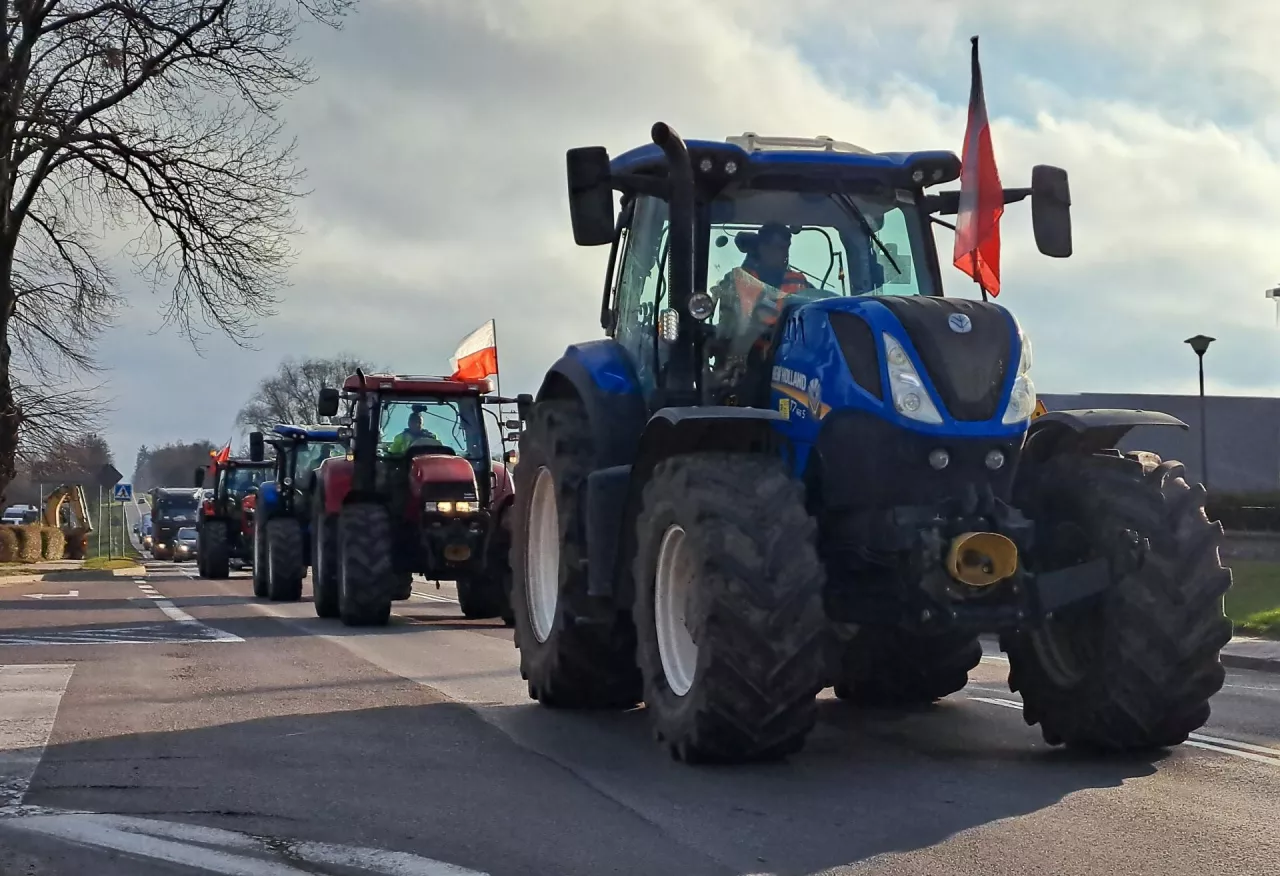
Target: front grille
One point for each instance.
(968, 369)
(870, 463)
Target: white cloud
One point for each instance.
(436, 138)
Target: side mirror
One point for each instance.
(513, 437)
(512, 424)
(590, 195)
(524, 404)
(257, 447)
(1051, 210)
(327, 405)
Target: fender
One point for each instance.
(268, 495)
(600, 374)
(335, 476)
(613, 494)
(1086, 431)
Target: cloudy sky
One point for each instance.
(435, 142)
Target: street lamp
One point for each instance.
(1200, 343)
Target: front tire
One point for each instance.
(284, 560)
(729, 616)
(217, 562)
(366, 582)
(324, 562)
(261, 572)
(567, 663)
(1135, 668)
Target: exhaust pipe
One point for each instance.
(980, 559)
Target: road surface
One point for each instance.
(169, 725)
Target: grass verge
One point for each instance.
(1253, 602)
(106, 563)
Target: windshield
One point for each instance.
(310, 455)
(181, 503)
(186, 533)
(241, 480)
(833, 244)
(452, 422)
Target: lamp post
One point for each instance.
(1200, 343)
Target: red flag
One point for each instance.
(977, 251)
(222, 455)
(477, 356)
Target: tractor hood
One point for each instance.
(436, 477)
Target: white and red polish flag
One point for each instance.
(977, 250)
(477, 355)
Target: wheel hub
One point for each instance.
(673, 587)
(542, 557)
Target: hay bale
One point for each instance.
(9, 545)
(77, 543)
(30, 543)
(55, 543)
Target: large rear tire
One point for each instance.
(1135, 668)
(732, 634)
(217, 562)
(367, 584)
(886, 667)
(284, 560)
(567, 663)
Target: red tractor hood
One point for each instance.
(442, 469)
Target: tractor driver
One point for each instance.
(413, 435)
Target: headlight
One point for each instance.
(910, 398)
(450, 507)
(1022, 399)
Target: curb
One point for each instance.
(1245, 661)
(92, 574)
(21, 579)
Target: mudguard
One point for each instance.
(504, 490)
(613, 494)
(1087, 431)
(601, 375)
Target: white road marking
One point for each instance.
(1243, 750)
(179, 616)
(69, 594)
(433, 597)
(29, 699)
(223, 851)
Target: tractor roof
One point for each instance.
(306, 433)
(409, 384)
(820, 156)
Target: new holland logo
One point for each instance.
(815, 395)
(787, 377)
(960, 323)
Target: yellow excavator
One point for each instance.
(78, 525)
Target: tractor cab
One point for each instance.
(225, 525)
(745, 231)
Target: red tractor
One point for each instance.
(419, 491)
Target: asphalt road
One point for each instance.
(168, 725)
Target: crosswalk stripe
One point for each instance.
(29, 698)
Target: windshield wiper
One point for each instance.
(851, 209)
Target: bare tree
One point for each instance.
(146, 121)
(290, 395)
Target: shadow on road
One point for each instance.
(523, 789)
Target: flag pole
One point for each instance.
(977, 275)
(497, 371)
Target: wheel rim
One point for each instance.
(542, 556)
(672, 587)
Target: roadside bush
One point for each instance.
(8, 545)
(55, 543)
(30, 543)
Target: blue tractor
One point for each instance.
(283, 542)
(794, 464)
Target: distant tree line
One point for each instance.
(169, 465)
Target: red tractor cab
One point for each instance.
(419, 492)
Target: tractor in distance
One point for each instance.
(799, 466)
(225, 528)
(282, 512)
(418, 492)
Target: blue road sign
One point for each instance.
(122, 492)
